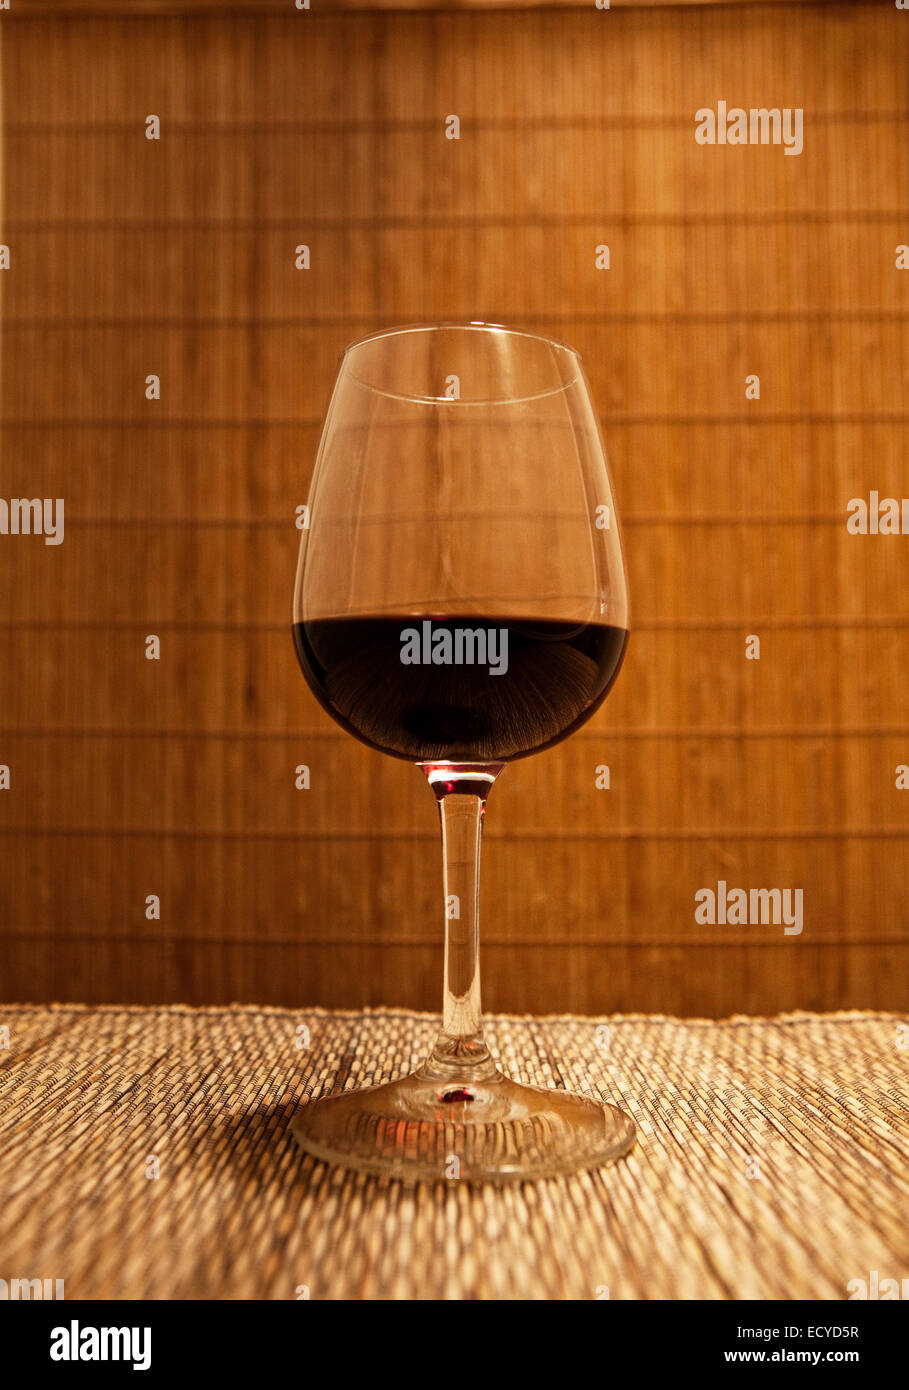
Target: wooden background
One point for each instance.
(176, 257)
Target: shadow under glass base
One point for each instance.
(491, 1129)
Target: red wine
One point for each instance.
(459, 689)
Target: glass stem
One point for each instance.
(460, 1052)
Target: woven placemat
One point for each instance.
(770, 1162)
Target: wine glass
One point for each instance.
(461, 602)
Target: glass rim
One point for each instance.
(473, 326)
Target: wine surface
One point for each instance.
(458, 688)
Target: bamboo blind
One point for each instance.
(175, 257)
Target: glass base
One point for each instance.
(488, 1130)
